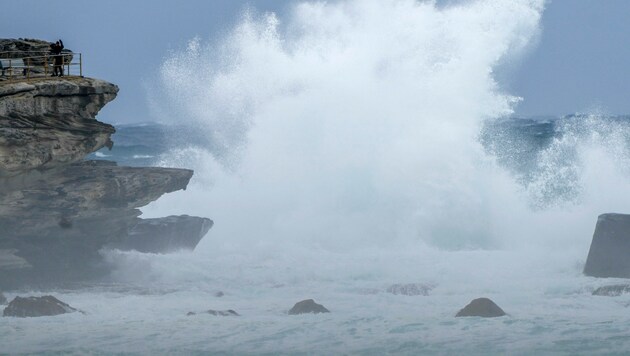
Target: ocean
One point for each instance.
(143, 307)
(338, 153)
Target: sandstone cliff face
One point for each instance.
(48, 123)
(59, 212)
(45, 203)
(55, 223)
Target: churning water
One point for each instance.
(347, 147)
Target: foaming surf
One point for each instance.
(339, 132)
(342, 128)
(349, 150)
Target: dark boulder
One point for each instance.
(612, 291)
(37, 306)
(307, 306)
(3, 299)
(482, 307)
(610, 248)
(410, 289)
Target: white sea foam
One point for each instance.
(142, 156)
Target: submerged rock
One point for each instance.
(37, 306)
(482, 307)
(307, 306)
(610, 248)
(612, 291)
(410, 289)
(228, 312)
(53, 201)
(3, 299)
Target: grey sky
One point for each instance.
(580, 63)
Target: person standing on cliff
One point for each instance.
(55, 50)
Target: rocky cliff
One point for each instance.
(58, 211)
(50, 122)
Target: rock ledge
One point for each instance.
(59, 211)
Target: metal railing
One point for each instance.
(38, 65)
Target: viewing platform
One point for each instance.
(38, 66)
(26, 59)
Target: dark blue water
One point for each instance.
(144, 144)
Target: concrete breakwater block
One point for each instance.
(609, 255)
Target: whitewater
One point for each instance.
(343, 148)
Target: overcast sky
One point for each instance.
(580, 63)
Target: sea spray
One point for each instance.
(354, 123)
(586, 163)
(349, 137)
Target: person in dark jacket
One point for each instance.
(55, 50)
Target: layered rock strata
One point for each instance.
(49, 123)
(58, 211)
